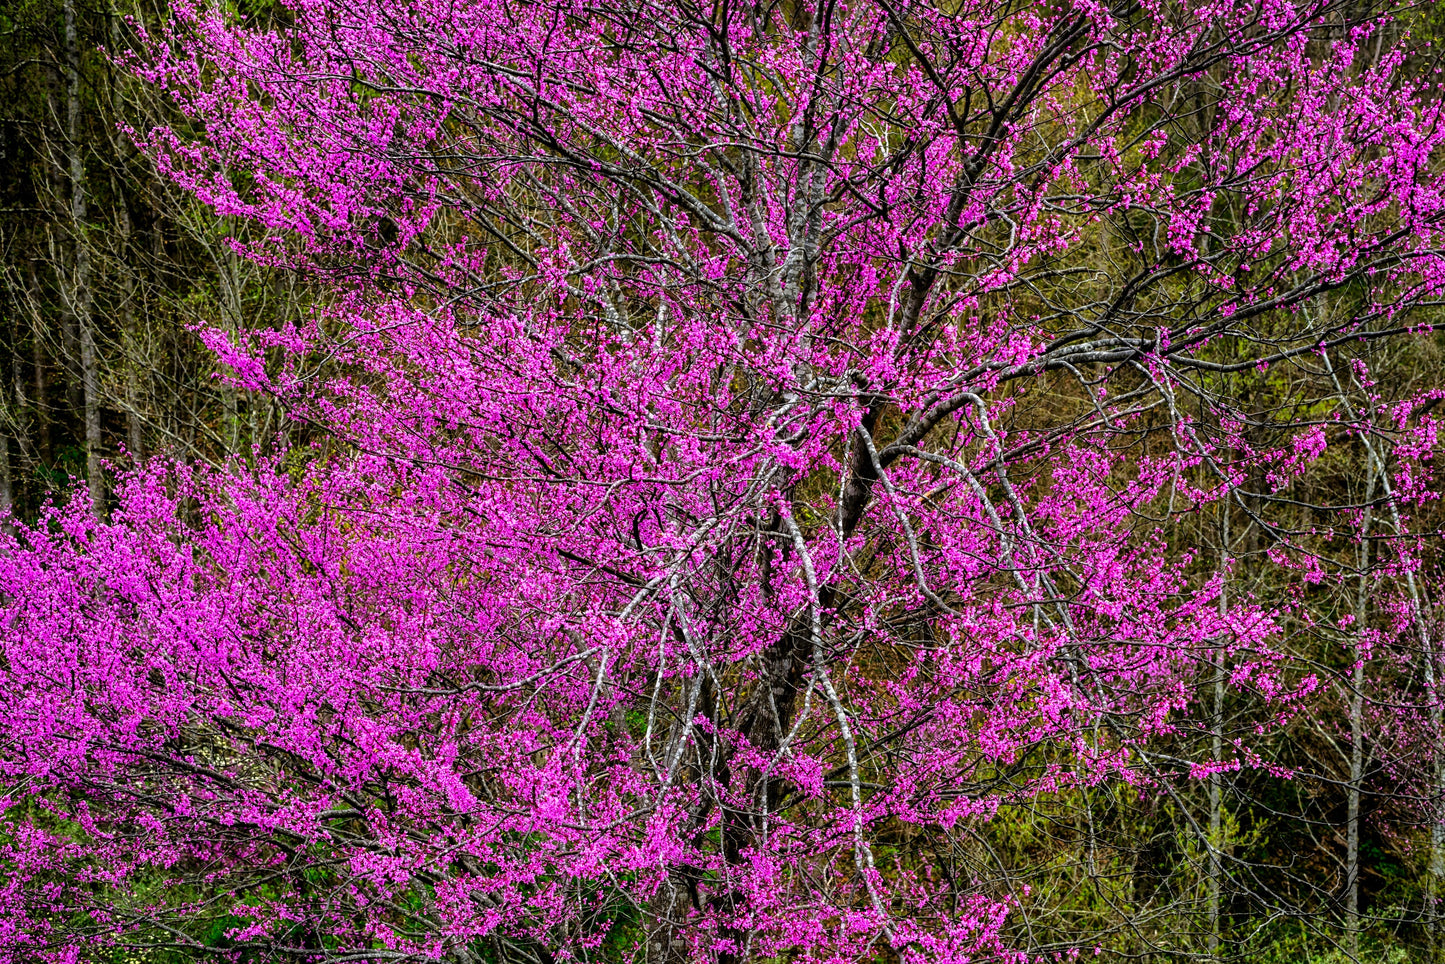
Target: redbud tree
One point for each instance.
(732, 432)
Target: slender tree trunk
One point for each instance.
(1435, 872)
(90, 370)
(1430, 659)
(1216, 779)
(25, 450)
(42, 405)
(1357, 745)
(12, 424)
(133, 357)
(7, 492)
(1436, 883)
(81, 299)
(1352, 831)
(133, 340)
(46, 450)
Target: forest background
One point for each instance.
(107, 270)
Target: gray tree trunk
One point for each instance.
(81, 281)
(1216, 780)
(1357, 745)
